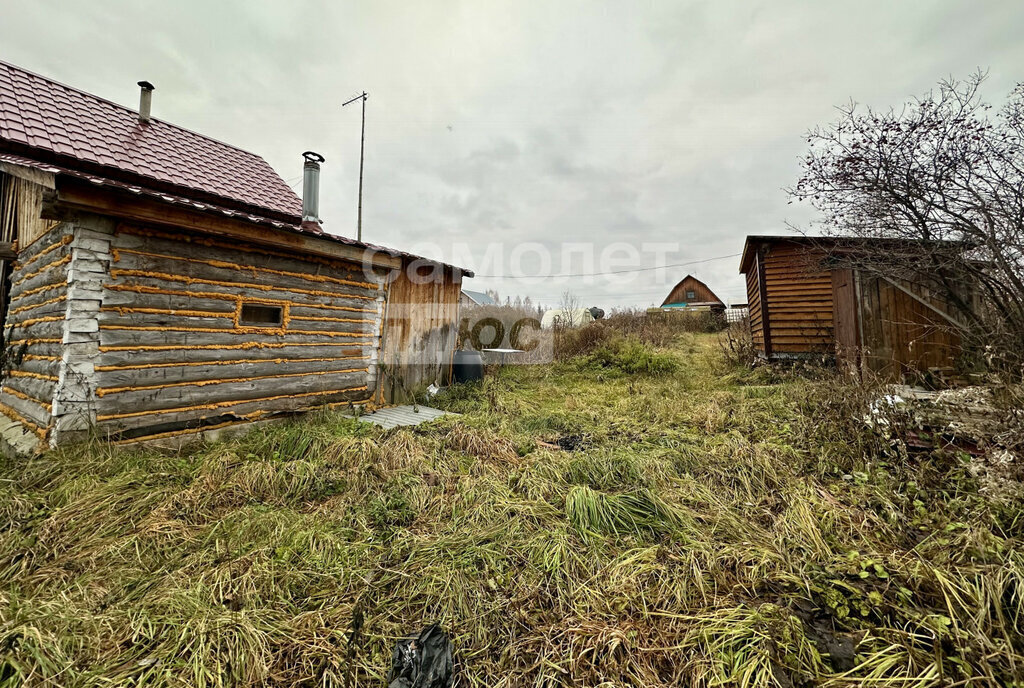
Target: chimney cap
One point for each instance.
(147, 86)
(310, 156)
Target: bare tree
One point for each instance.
(944, 177)
(569, 306)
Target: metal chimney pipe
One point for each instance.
(145, 101)
(311, 186)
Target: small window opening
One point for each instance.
(691, 295)
(266, 316)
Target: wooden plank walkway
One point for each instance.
(397, 416)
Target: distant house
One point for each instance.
(475, 298)
(692, 295)
(164, 283)
(803, 302)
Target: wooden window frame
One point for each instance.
(282, 311)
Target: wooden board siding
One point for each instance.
(421, 328)
(21, 203)
(798, 301)
(701, 293)
(173, 353)
(800, 307)
(34, 330)
(903, 335)
(754, 310)
(846, 322)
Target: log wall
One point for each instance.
(174, 354)
(138, 332)
(34, 330)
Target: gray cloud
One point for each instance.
(528, 122)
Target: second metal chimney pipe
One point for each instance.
(311, 186)
(145, 100)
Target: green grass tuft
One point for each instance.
(632, 357)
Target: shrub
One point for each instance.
(632, 356)
(737, 345)
(572, 342)
(661, 328)
(686, 321)
(655, 328)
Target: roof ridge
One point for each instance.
(130, 110)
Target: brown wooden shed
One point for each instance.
(806, 303)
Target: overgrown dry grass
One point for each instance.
(708, 526)
(654, 329)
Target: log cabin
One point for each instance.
(806, 301)
(158, 283)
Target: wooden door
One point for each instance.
(845, 323)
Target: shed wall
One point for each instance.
(798, 307)
(135, 331)
(903, 328)
(421, 329)
(754, 309)
(846, 323)
(798, 301)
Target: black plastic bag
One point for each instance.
(422, 661)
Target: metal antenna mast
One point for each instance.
(362, 142)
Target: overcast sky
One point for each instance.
(520, 122)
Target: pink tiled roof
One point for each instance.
(310, 228)
(46, 120)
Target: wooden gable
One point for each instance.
(691, 290)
